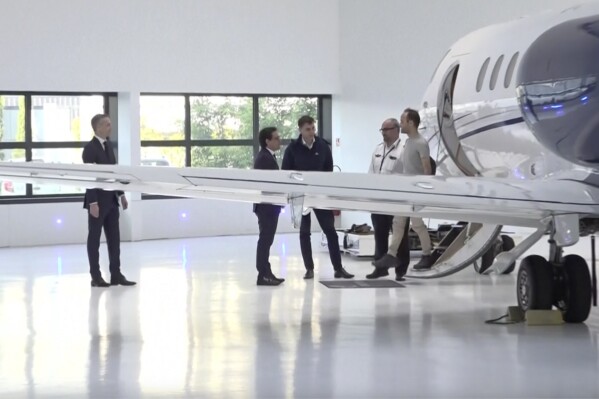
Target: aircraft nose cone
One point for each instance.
(558, 90)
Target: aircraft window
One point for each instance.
(481, 75)
(495, 73)
(510, 70)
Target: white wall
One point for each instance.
(388, 52)
(197, 46)
(258, 46)
(66, 223)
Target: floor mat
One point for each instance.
(362, 284)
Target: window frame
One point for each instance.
(323, 118)
(29, 144)
(480, 81)
(110, 107)
(495, 72)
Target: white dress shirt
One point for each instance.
(102, 141)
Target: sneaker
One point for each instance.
(377, 273)
(425, 263)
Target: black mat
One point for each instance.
(362, 284)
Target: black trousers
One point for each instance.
(109, 220)
(382, 227)
(268, 219)
(326, 220)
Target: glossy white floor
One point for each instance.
(197, 326)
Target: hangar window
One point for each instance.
(481, 75)
(46, 127)
(220, 130)
(509, 73)
(206, 130)
(495, 73)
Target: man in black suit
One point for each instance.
(103, 208)
(268, 214)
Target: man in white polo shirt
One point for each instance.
(386, 160)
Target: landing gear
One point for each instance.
(564, 282)
(503, 243)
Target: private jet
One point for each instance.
(512, 117)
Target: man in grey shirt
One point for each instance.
(416, 161)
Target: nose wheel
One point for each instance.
(574, 297)
(534, 285)
(565, 284)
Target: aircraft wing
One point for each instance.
(474, 199)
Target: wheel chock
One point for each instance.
(544, 317)
(515, 314)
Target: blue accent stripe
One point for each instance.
(492, 126)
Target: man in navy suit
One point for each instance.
(103, 208)
(268, 214)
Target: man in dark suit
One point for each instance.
(268, 214)
(311, 153)
(103, 208)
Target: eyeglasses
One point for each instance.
(386, 129)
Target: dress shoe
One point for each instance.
(309, 274)
(400, 271)
(377, 273)
(272, 276)
(342, 273)
(386, 262)
(121, 280)
(267, 280)
(99, 282)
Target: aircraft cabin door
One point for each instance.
(447, 130)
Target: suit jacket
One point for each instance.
(93, 152)
(265, 160)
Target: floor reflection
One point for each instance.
(197, 326)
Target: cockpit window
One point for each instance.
(510, 70)
(481, 75)
(495, 73)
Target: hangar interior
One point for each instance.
(190, 83)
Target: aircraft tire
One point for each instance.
(487, 259)
(577, 294)
(534, 286)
